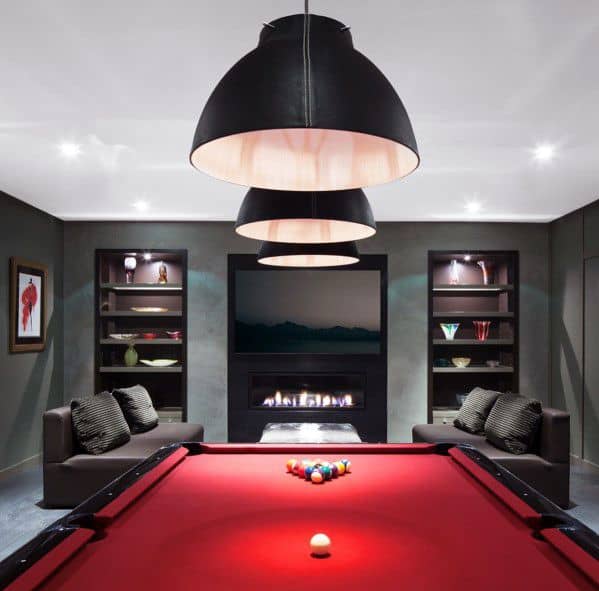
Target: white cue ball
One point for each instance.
(320, 544)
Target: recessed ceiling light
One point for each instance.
(147, 256)
(467, 257)
(141, 205)
(473, 207)
(544, 152)
(70, 150)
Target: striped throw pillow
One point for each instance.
(475, 410)
(99, 423)
(136, 404)
(513, 423)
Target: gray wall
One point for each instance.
(574, 330)
(31, 382)
(407, 245)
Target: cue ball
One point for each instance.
(320, 544)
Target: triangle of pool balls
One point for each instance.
(318, 471)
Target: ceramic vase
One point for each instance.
(131, 356)
(481, 329)
(449, 330)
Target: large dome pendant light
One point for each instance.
(305, 217)
(278, 254)
(305, 111)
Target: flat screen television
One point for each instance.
(308, 311)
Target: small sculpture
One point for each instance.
(454, 272)
(130, 266)
(162, 278)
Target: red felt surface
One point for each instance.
(413, 521)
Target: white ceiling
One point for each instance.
(483, 82)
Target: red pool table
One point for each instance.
(229, 517)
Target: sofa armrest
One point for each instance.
(59, 444)
(554, 438)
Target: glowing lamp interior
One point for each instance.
(305, 159)
(308, 260)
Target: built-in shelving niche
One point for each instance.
(459, 294)
(115, 298)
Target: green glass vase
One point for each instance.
(131, 356)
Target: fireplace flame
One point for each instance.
(309, 400)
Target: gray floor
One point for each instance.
(21, 518)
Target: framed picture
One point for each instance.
(27, 306)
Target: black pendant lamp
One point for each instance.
(305, 111)
(305, 217)
(279, 254)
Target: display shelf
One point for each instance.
(473, 342)
(463, 287)
(132, 313)
(474, 369)
(141, 342)
(472, 288)
(133, 287)
(477, 314)
(117, 290)
(140, 369)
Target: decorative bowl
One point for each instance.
(174, 334)
(492, 363)
(123, 336)
(149, 335)
(159, 362)
(461, 361)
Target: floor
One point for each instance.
(21, 517)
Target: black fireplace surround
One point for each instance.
(299, 387)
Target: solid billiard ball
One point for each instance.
(320, 544)
(334, 470)
(290, 464)
(316, 477)
(325, 470)
(308, 472)
(301, 470)
(295, 467)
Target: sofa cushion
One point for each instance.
(513, 423)
(475, 410)
(136, 404)
(98, 423)
(443, 434)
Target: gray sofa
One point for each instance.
(71, 476)
(547, 469)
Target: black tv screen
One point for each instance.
(306, 311)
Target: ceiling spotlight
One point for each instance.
(467, 258)
(473, 207)
(70, 150)
(305, 111)
(147, 256)
(544, 152)
(305, 217)
(279, 254)
(141, 205)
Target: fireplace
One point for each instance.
(290, 370)
(307, 391)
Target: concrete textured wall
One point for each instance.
(208, 243)
(31, 382)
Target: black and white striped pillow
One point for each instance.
(136, 404)
(475, 410)
(99, 423)
(513, 423)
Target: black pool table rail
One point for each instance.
(82, 517)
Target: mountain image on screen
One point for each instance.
(307, 312)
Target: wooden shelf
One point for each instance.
(130, 287)
(474, 369)
(141, 342)
(131, 313)
(473, 314)
(140, 369)
(475, 342)
(475, 287)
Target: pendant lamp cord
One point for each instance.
(307, 66)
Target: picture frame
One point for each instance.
(28, 281)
